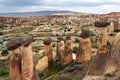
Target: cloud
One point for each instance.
(16, 3)
(92, 6)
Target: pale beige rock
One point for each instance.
(42, 64)
(84, 51)
(111, 27)
(67, 54)
(103, 36)
(59, 51)
(48, 52)
(15, 64)
(27, 63)
(92, 78)
(113, 59)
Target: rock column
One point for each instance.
(48, 48)
(15, 58)
(84, 52)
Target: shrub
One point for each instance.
(57, 34)
(1, 33)
(77, 40)
(63, 34)
(117, 30)
(4, 52)
(3, 73)
(118, 78)
(37, 48)
(111, 34)
(68, 29)
(64, 30)
(109, 45)
(75, 48)
(53, 45)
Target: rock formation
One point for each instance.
(84, 51)
(66, 52)
(15, 58)
(102, 32)
(58, 52)
(48, 48)
(42, 64)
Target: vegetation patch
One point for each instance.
(4, 52)
(53, 68)
(3, 73)
(37, 48)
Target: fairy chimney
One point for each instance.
(102, 32)
(28, 70)
(84, 51)
(106, 63)
(113, 60)
(15, 58)
(48, 48)
(67, 54)
(58, 52)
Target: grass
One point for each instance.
(21, 30)
(4, 52)
(36, 49)
(53, 68)
(3, 73)
(4, 68)
(118, 78)
(63, 78)
(75, 49)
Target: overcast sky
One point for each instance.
(90, 6)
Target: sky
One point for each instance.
(89, 6)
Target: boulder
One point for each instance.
(42, 65)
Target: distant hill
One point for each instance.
(115, 13)
(37, 13)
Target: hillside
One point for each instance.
(37, 13)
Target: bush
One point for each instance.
(53, 45)
(77, 40)
(57, 34)
(118, 78)
(63, 34)
(117, 30)
(4, 52)
(94, 45)
(64, 30)
(68, 29)
(37, 48)
(1, 33)
(3, 73)
(75, 48)
(109, 45)
(111, 34)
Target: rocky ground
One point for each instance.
(54, 71)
